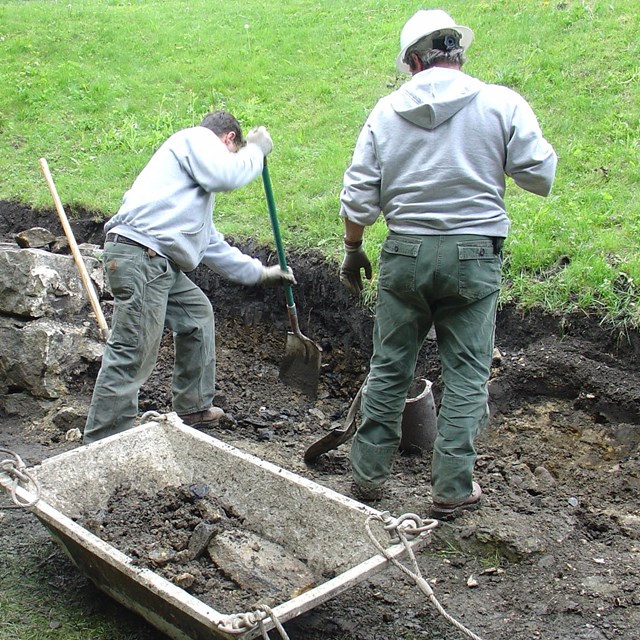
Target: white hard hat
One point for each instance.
(424, 23)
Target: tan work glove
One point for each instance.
(261, 137)
(354, 259)
(274, 276)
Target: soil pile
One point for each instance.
(188, 536)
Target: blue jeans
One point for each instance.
(150, 293)
(451, 282)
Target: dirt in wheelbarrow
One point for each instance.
(552, 553)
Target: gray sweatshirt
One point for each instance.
(169, 207)
(432, 157)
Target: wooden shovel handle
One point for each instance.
(84, 274)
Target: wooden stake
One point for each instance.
(84, 274)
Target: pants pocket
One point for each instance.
(479, 269)
(398, 261)
(125, 289)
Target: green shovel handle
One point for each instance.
(271, 204)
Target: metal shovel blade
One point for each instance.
(336, 437)
(300, 366)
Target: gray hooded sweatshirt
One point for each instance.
(432, 157)
(169, 207)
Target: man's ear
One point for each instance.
(415, 64)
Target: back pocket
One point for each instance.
(398, 264)
(479, 269)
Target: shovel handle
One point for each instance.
(84, 274)
(271, 204)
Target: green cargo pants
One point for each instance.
(150, 293)
(450, 282)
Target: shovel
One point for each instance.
(337, 436)
(300, 366)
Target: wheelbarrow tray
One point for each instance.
(320, 526)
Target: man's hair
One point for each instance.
(430, 57)
(221, 122)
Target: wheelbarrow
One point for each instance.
(326, 530)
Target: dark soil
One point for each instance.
(552, 552)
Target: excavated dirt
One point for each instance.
(552, 553)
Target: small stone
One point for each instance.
(265, 435)
(73, 435)
(200, 539)
(160, 555)
(543, 477)
(316, 413)
(185, 580)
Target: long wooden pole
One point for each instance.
(84, 274)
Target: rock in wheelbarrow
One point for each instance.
(259, 565)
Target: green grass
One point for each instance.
(96, 86)
(42, 597)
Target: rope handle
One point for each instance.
(405, 527)
(16, 469)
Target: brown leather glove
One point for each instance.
(355, 259)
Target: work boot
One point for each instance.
(205, 418)
(448, 511)
(365, 494)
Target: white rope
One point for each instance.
(240, 623)
(16, 469)
(150, 415)
(404, 529)
(276, 623)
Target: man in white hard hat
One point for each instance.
(433, 157)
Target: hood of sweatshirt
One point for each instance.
(433, 96)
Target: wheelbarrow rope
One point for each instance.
(16, 469)
(274, 619)
(150, 416)
(405, 527)
(240, 623)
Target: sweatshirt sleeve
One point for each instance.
(360, 196)
(229, 262)
(531, 160)
(216, 169)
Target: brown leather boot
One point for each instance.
(205, 418)
(444, 511)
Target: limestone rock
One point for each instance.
(39, 356)
(35, 238)
(253, 562)
(36, 283)
(71, 417)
